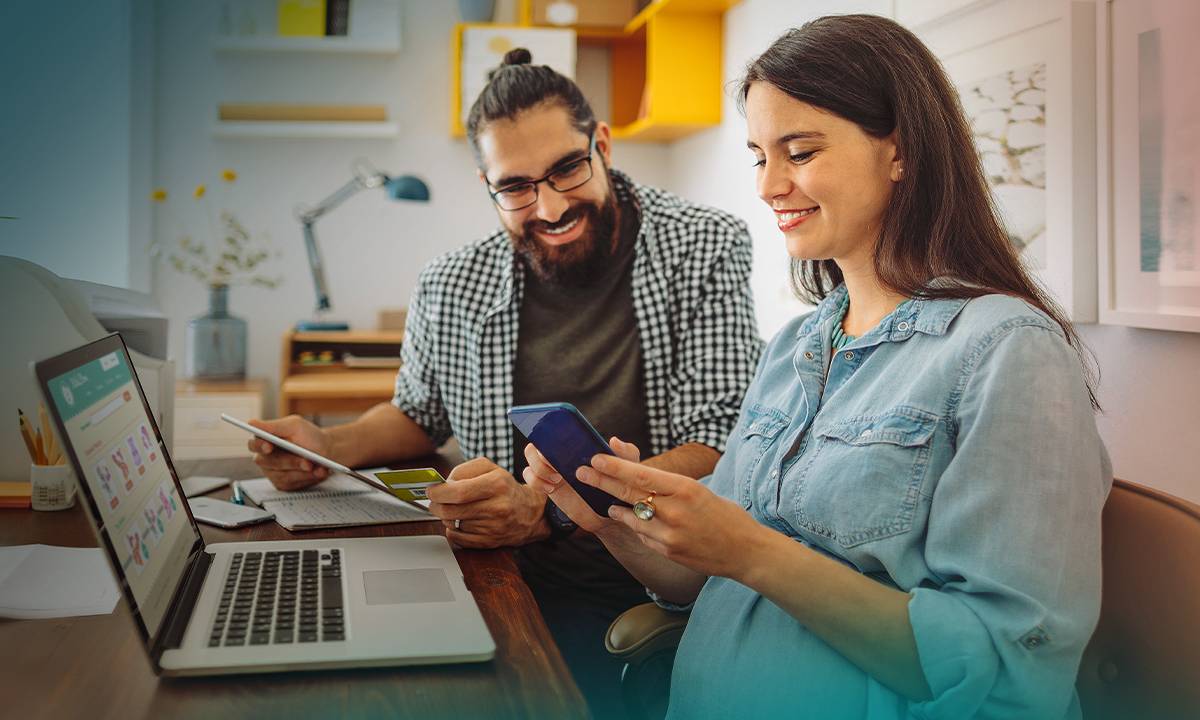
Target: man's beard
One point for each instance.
(577, 262)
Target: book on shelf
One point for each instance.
(337, 18)
(302, 18)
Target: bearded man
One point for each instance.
(624, 300)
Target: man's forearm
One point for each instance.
(693, 460)
(379, 436)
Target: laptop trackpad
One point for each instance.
(394, 587)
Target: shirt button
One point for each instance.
(849, 356)
(774, 474)
(902, 326)
(808, 355)
(868, 432)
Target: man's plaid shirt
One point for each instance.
(695, 318)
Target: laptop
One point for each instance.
(244, 607)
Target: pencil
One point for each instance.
(27, 436)
(49, 445)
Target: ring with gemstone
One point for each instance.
(644, 509)
(458, 524)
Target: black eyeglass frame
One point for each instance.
(494, 193)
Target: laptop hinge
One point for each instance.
(181, 613)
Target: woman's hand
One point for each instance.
(541, 476)
(692, 526)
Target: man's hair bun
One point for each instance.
(518, 56)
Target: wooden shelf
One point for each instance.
(349, 336)
(333, 387)
(665, 69)
(292, 130)
(280, 44)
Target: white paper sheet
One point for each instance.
(46, 581)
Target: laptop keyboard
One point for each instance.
(281, 597)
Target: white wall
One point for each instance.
(750, 27)
(1150, 380)
(75, 137)
(373, 248)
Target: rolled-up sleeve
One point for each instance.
(417, 392)
(1013, 536)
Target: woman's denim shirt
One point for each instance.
(951, 452)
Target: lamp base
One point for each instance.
(321, 326)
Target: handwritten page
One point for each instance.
(339, 501)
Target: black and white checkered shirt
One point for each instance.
(695, 319)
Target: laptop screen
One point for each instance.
(135, 500)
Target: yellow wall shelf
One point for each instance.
(665, 75)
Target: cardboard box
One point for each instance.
(584, 13)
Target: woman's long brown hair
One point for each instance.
(941, 220)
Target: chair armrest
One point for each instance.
(643, 631)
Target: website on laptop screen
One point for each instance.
(141, 510)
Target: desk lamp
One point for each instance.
(405, 187)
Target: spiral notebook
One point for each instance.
(339, 501)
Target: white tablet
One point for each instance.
(310, 455)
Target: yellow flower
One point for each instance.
(228, 175)
(159, 195)
(200, 190)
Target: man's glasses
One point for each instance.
(564, 178)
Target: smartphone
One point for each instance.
(564, 436)
(226, 514)
(410, 485)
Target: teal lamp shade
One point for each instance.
(407, 187)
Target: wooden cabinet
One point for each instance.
(665, 69)
(343, 372)
(199, 431)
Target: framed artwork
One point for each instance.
(1149, 149)
(1025, 72)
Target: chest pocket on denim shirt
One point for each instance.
(759, 431)
(864, 479)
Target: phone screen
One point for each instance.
(568, 441)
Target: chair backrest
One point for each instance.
(1144, 658)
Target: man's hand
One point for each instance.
(483, 506)
(285, 470)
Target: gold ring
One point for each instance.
(644, 509)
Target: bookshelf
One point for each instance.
(332, 385)
(375, 32)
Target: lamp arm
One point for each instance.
(316, 264)
(337, 197)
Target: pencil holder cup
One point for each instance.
(53, 487)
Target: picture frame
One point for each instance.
(1148, 105)
(1024, 67)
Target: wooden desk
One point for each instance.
(96, 667)
(333, 387)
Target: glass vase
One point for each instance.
(216, 341)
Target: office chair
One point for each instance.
(1142, 661)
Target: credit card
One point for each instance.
(410, 484)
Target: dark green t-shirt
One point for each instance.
(579, 344)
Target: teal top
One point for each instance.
(839, 338)
(952, 453)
